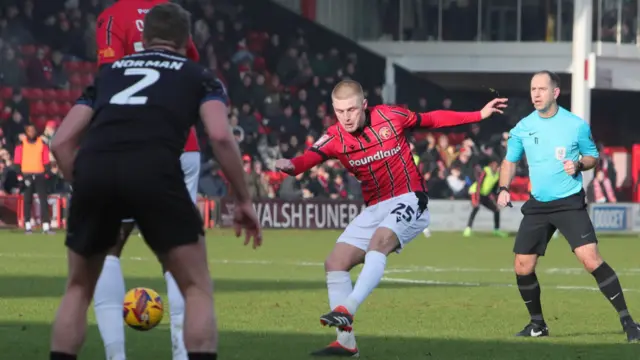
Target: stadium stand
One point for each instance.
(279, 71)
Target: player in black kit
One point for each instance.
(131, 127)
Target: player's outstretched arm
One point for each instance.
(300, 164)
(447, 118)
(67, 138)
(321, 151)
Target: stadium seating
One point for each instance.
(52, 104)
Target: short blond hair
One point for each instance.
(346, 89)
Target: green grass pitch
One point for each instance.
(445, 297)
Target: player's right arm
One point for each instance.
(321, 151)
(110, 38)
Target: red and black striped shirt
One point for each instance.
(378, 155)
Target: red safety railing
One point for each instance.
(12, 211)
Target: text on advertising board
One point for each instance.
(610, 218)
(277, 214)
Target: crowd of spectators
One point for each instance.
(278, 85)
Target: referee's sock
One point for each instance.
(202, 356)
(610, 286)
(530, 292)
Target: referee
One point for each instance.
(554, 140)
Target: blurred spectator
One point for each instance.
(446, 152)
(211, 181)
(257, 180)
(12, 73)
(269, 150)
(456, 184)
(59, 78)
(40, 70)
(14, 128)
(601, 189)
(291, 188)
(18, 103)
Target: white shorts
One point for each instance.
(401, 214)
(190, 162)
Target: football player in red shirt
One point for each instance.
(371, 144)
(119, 33)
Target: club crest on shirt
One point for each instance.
(561, 152)
(384, 132)
(322, 141)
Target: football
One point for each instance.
(143, 309)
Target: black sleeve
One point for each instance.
(212, 88)
(89, 95)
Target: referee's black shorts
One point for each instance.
(146, 186)
(541, 219)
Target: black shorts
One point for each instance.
(145, 186)
(488, 201)
(541, 219)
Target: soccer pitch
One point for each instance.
(445, 297)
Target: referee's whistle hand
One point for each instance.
(570, 167)
(494, 106)
(504, 198)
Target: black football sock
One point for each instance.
(55, 355)
(530, 292)
(202, 356)
(472, 217)
(610, 286)
(496, 220)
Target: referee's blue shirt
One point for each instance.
(547, 142)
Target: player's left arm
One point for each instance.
(447, 118)
(67, 139)
(588, 149)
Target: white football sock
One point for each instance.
(370, 276)
(176, 310)
(107, 300)
(339, 286)
(45, 227)
(27, 225)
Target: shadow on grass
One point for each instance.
(31, 341)
(45, 286)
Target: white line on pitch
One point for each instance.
(400, 270)
(477, 284)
